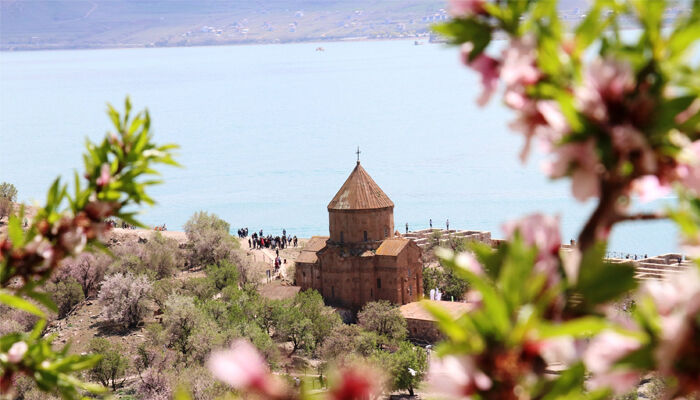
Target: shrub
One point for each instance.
(124, 299)
(340, 343)
(6, 207)
(210, 239)
(188, 330)
(223, 274)
(201, 384)
(409, 364)
(306, 321)
(161, 256)
(153, 369)
(162, 289)
(383, 318)
(451, 285)
(14, 320)
(8, 191)
(88, 269)
(111, 367)
(65, 294)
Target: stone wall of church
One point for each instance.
(307, 276)
(349, 226)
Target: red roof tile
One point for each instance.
(360, 192)
(392, 247)
(416, 311)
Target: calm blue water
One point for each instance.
(268, 134)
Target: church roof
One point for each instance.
(308, 253)
(392, 247)
(360, 192)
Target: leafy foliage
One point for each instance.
(112, 364)
(384, 319)
(116, 172)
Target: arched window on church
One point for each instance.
(386, 231)
(341, 237)
(365, 234)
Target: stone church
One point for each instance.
(363, 259)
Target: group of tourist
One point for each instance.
(243, 233)
(258, 241)
(114, 224)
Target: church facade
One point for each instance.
(363, 259)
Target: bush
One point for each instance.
(223, 274)
(409, 364)
(306, 321)
(88, 269)
(451, 285)
(65, 294)
(188, 330)
(14, 320)
(163, 288)
(8, 191)
(111, 366)
(161, 256)
(209, 238)
(124, 299)
(383, 318)
(6, 207)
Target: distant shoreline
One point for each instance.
(317, 41)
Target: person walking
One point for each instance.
(406, 227)
(431, 223)
(447, 223)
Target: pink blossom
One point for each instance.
(357, 382)
(105, 175)
(485, 65)
(626, 140)
(605, 81)
(537, 230)
(456, 377)
(541, 231)
(520, 62)
(678, 304)
(580, 160)
(241, 367)
(603, 352)
(649, 188)
(465, 8)
(542, 118)
(688, 169)
(73, 240)
(16, 352)
(467, 261)
(563, 349)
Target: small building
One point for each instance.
(422, 325)
(363, 259)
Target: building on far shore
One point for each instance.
(363, 259)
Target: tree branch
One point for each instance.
(641, 217)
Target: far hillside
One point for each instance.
(61, 24)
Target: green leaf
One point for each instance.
(579, 328)
(19, 303)
(460, 31)
(600, 281)
(44, 299)
(569, 383)
(15, 232)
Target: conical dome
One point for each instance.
(360, 192)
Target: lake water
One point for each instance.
(268, 134)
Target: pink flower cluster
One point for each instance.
(678, 305)
(601, 356)
(243, 368)
(541, 231)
